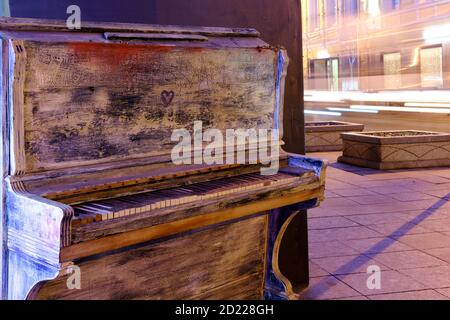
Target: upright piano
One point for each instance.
(94, 205)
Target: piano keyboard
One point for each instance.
(142, 202)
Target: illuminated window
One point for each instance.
(349, 7)
(325, 73)
(392, 70)
(313, 14)
(389, 5)
(431, 67)
(406, 3)
(331, 12)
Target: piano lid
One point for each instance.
(45, 25)
(111, 94)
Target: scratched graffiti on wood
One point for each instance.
(91, 102)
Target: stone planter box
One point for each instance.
(396, 149)
(326, 135)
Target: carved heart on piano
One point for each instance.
(167, 97)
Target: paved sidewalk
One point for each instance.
(397, 220)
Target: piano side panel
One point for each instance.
(222, 262)
(24, 273)
(4, 165)
(88, 103)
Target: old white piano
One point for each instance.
(89, 184)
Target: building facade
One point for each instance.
(373, 45)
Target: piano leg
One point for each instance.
(287, 266)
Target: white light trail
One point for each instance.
(437, 34)
(353, 110)
(323, 113)
(427, 104)
(402, 109)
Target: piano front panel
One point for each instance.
(87, 103)
(225, 262)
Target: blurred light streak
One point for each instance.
(437, 34)
(324, 113)
(373, 7)
(406, 96)
(427, 104)
(353, 110)
(323, 54)
(415, 60)
(402, 109)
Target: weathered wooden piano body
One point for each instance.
(89, 182)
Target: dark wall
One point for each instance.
(139, 11)
(279, 22)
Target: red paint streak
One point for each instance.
(114, 54)
(194, 49)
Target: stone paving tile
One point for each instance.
(410, 196)
(332, 184)
(327, 288)
(341, 234)
(351, 192)
(436, 225)
(396, 206)
(353, 298)
(410, 295)
(444, 291)
(429, 178)
(391, 282)
(409, 183)
(316, 271)
(347, 264)
(333, 248)
(425, 240)
(376, 245)
(330, 194)
(337, 202)
(441, 253)
(418, 185)
(379, 218)
(440, 193)
(388, 189)
(373, 199)
(433, 277)
(440, 186)
(428, 215)
(349, 210)
(398, 229)
(385, 175)
(440, 172)
(407, 260)
(330, 222)
(322, 212)
(351, 179)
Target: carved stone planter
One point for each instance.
(396, 149)
(326, 135)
